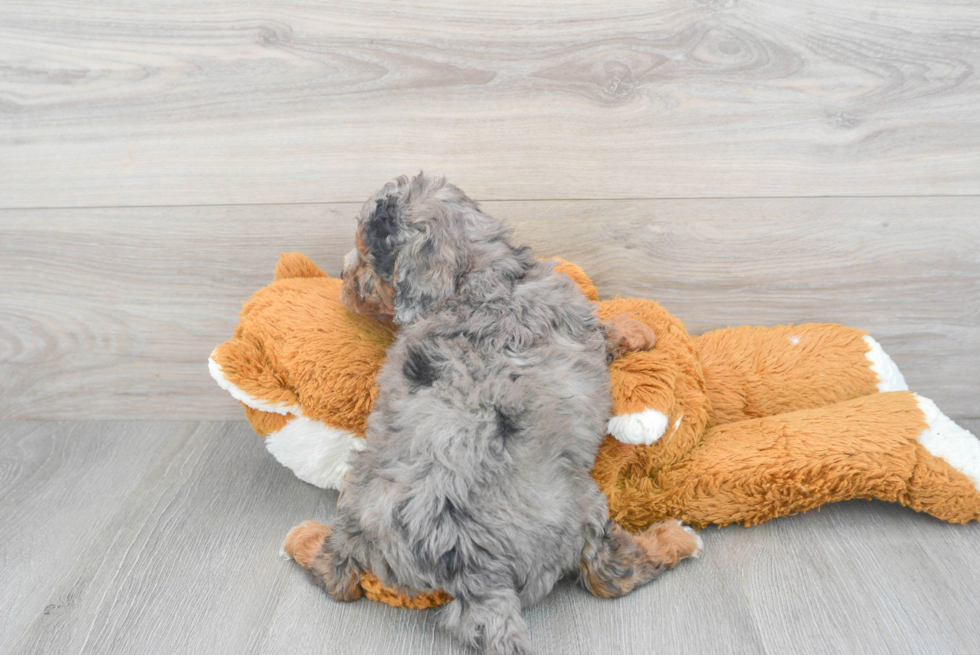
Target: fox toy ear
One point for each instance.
(294, 265)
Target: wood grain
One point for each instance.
(189, 562)
(176, 551)
(860, 577)
(111, 313)
(666, 147)
(60, 486)
(180, 102)
(700, 607)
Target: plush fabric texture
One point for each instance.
(298, 349)
(376, 591)
(738, 425)
(753, 372)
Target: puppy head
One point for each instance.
(415, 240)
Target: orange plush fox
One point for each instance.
(738, 425)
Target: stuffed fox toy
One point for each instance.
(738, 425)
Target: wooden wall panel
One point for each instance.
(111, 313)
(180, 102)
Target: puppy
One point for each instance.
(492, 404)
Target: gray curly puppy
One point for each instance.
(492, 404)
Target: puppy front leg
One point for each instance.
(491, 622)
(624, 334)
(616, 562)
(309, 544)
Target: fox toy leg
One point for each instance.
(752, 372)
(891, 446)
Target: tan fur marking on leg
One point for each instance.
(343, 583)
(601, 586)
(305, 541)
(306, 544)
(668, 543)
(621, 562)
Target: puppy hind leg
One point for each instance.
(309, 545)
(491, 622)
(617, 562)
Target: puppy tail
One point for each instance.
(616, 562)
(490, 622)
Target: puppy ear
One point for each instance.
(381, 236)
(428, 265)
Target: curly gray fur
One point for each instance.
(493, 402)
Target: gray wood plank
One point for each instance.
(189, 563)
(854, 577)
(698, 607)
(181, 102)
(863, 577)
(185, 560)
(60, 484)
(111, 313)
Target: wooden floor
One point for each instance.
(740, 161)
(163, 537)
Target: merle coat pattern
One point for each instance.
(493, 401)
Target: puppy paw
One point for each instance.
(639, 336)
(700, 543)
(671, 541)
(304, 542)
(624, 333)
